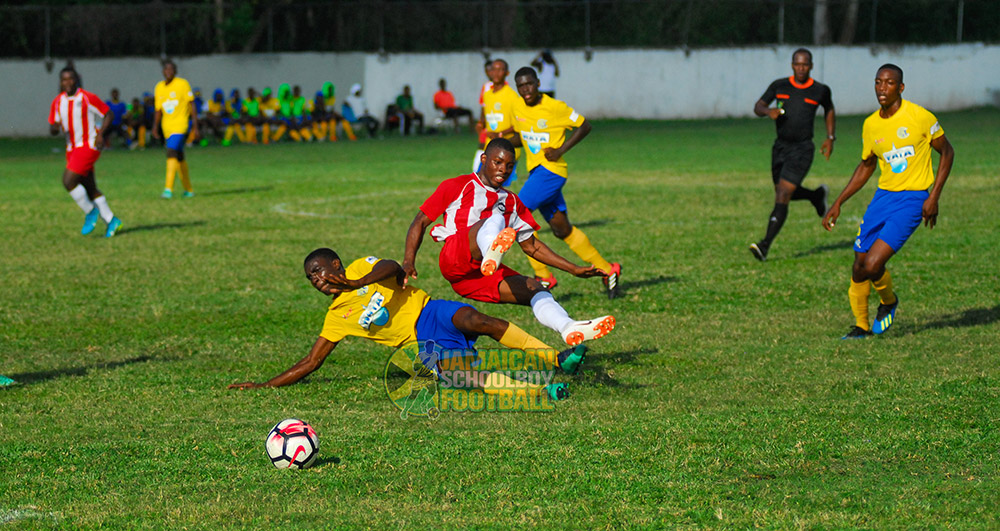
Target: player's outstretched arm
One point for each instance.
(414, 237)
(930, 210)
(314, 360)
(860, 176)
(382, 270)
(534, 248)
(156, 124)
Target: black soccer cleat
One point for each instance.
(759, 251)
(612, 282)
(858, 333)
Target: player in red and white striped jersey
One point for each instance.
(77, 112)
(482, 220)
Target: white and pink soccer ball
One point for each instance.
(292, 443)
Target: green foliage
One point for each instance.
(723, 398)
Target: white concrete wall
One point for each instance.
(657, 84)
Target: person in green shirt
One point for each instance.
(404, 104)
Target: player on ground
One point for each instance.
(799, 96)
(76, 112)
(371, 301)
(897, 138)
(482, 221)
(174, 110)
(497, 114)
(542, 123)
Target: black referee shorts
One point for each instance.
(790, 161)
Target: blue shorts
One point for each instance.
(435, 324)
(891, 217)
(543, 192)
(176, 141)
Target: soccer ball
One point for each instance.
(292, 444)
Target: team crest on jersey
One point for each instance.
(902, 132)
(169, 106)
(497, 106)
(534, 140)
(494, 119)
(896, 158)
(375, 313)
(542, 124)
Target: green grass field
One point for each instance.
(724, 399)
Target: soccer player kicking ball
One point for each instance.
(76, 112)
(371, 301)
(482, 220)
(898, 137)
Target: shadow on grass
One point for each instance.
(232, 191)
(847, 244)
(158, 226)
(970, 317)
(41, 376)
(321, 461)
(595, 369)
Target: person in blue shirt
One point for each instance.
(118, 110)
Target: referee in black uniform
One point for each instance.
(798, 98)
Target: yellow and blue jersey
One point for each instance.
(173, 101)
(383, 312)
(544, 125)
(902, 145)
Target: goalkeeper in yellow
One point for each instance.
(898, 138)
(175, 112)
(372, 301)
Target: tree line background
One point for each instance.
(161, 28)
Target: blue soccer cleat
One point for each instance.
(90, 221)
(5, 381)
(885, 316)
(188, 194)
(113, 227)
(167, 193)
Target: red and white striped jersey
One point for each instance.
(464, 201)
(486, 87)
(78, 115)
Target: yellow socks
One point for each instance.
(142, 136)
(580, 244)
(515, 337)
(858, 295)
(279, 133)
(185, 176)
(884, 288)
(229, 134)
(349, 130)
(306, 134)
(295, 135)
(172, 166)
(251, 133)
(266, 135)
(498, 382)
(332, 127)
(240, 134)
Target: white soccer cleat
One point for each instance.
(581, 331)
(501, 244)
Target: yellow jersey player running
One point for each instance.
(899, 137)
(542, 122)
(174, 113)
(497, 113)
